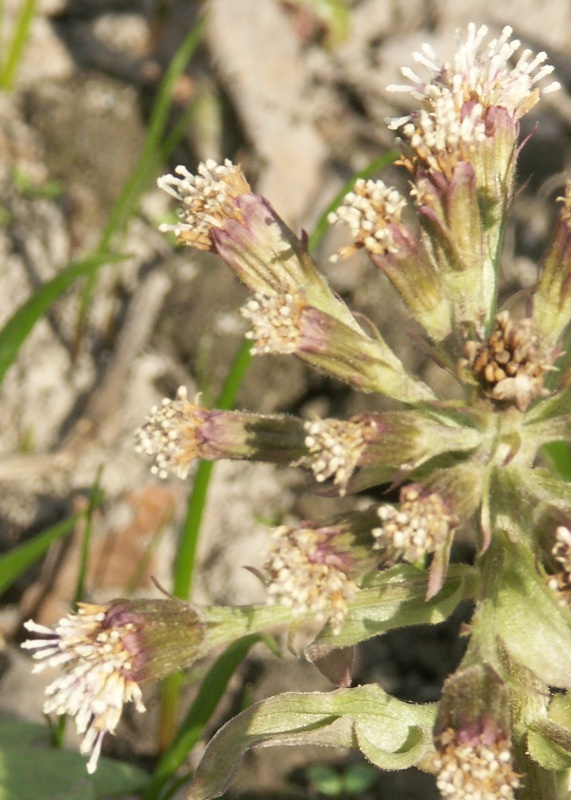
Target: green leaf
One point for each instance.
(391, 733)
(31, 770)
(559, 456)
(396, 598)
(15, 331)
(17, 560)
(547, 488)
(535, 630)
(211, 690)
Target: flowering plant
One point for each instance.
(503, 725)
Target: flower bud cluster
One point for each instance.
(471, 460)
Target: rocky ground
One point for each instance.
(274, 89)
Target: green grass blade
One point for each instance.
(2, 33)
(95, 499)
(211, 690)
(15, 331)
(17, 560)
(16, 48)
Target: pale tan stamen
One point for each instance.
(335, 448)
(207, 198)
(276, 323)
(369, 210)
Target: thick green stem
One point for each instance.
(537, 783)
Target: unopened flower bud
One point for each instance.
(178, 431)
(473, 748)
(104, 653)
(509, 366)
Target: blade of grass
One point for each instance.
(19, 559)
(151, 154)
(15, 331)
(17, 44)
(188, 542)
(95, 500)
(211, 690)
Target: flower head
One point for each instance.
(373, 212)
(173, 434)
(335, 447)
(178, 431)
(104, 653)
(312, 569)
(422, 524)
(473, 748)
(207, 199)
(276, 323)
(480, 74)
(460, 148)
(475, 763)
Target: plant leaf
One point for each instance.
(396, 598)
(391, 733)
(17, 560)
(535, 630)
(191, 729)
(31, 770)
(549, 739)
